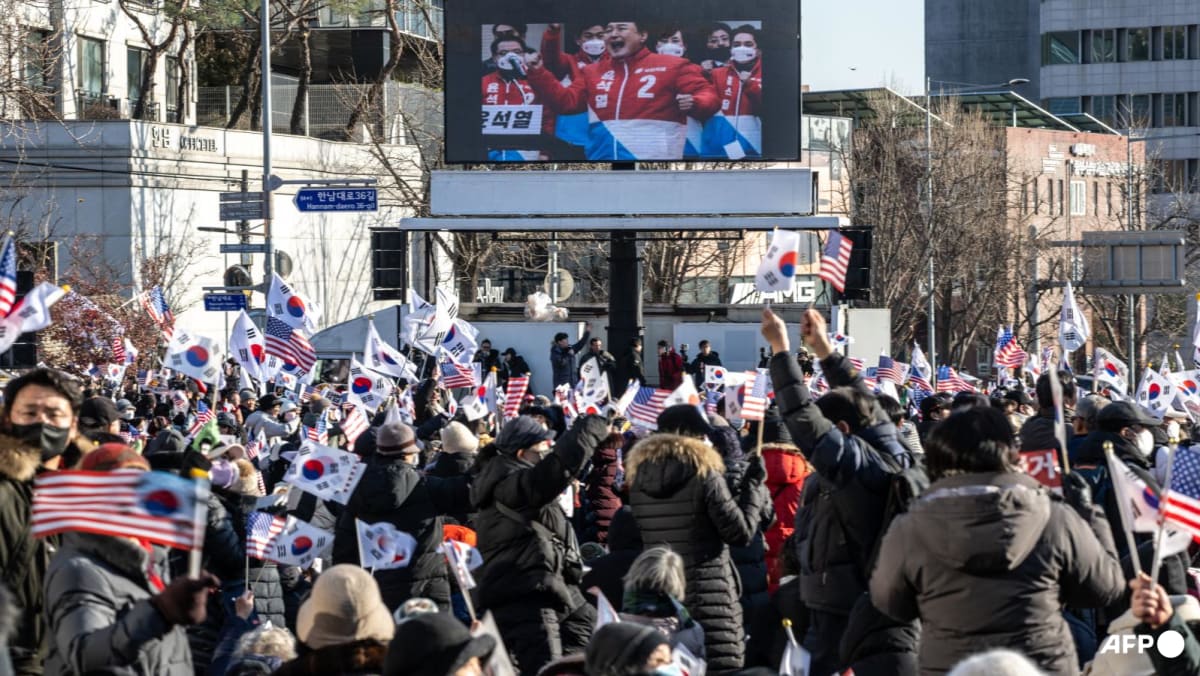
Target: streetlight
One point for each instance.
(1130, 332)
(958, 87)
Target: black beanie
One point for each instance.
(684, 419)
(774, 429)
(622, 649)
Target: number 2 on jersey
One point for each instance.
(647, 84)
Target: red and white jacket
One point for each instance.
(632, 100)
(500, 91)
(737, 97)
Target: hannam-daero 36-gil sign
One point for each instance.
(336, 199)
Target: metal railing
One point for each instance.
(324, 114)
(96, 106)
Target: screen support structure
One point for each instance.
(624, 287)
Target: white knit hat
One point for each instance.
(456, 438)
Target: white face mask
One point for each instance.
(593, 47)
(742, 54)
(1145, 443)
(671, 49)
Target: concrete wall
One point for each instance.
(140, 190)
(983, 42)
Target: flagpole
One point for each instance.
(1156, 562)
(1126, 519)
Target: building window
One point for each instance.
(412, 19)
(1060, 48)
(1175, 43)
(1174, 110)
(172, 97)
(1066, 105)
(1096, 198)
(1062, 199)
(1140, 113)
(1103, 46)
(1137, 44)
(1108, 198)
(1078, 198)
(91, 67)
(1103, 108)
(135, 67)
(36, 62)
(1024, 197)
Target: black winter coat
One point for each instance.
(23, 559)
(624, 545)
(841, 519)
(680, 499)
(391, 490)
(520, 561)
(264, 576)
(454, 466)
(751, 560)
(225, 557)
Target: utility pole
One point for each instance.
(265, 24)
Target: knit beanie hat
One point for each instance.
(622, 649)
(684, 419)
(456, 438)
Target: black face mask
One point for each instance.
(719, 54)
(50, 439)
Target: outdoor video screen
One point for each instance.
(574, 81)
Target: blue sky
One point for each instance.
(863, 43)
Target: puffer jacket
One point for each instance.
(987, 561)
(841, 518)
(786, 471)
(562, 360)
(680, 499)
(519, 560)
(101, 619)
(1037, 433)
(601, 493)
(624, 546)
(23, 558)
(393, 491)
(225, 557)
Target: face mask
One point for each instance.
(671, 49)
(593, 47)
(671, 669)
(743, 54)
(289, 417)
(1145, 443)
(50, 439)
(718, 54)
(511, 63)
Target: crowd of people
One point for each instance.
(885, 538)
(694, 93)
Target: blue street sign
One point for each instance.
(309, 200)
(224, 302)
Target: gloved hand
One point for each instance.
(756, 470)
(185, 600)
(594, 427)
(1077, 493)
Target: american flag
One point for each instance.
(118, 349)
(307, 393)
(919, 383)
(261, 531)
(646, 406)
(203, 416)
(156, 306)
(1008, 353)
(835, 260)
(458, 375)
(755, 399)
(318, 433)
(354, 424)
(288, 344)
(948, 380)
(514, 394)
(154, 506)
(890, 369)
(1183, 500)
(8, 277)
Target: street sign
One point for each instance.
(309, 200)
(241, 197)
(244, 248)
(241, 211)
(241, 206)
(224, 302)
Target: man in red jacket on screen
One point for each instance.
(637, 101)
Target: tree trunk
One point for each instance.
(249, 80)
(185, 76)
(297, 123)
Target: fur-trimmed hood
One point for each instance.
(785, 464)
(18, 461)
(665, 462)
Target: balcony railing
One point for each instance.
(97, 106)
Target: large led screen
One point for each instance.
(573, 81)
